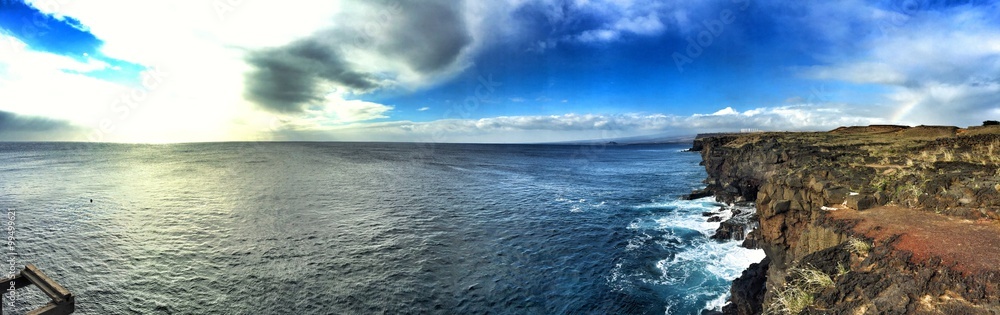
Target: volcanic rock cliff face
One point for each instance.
(865, 220)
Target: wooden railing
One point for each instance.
(62, 300)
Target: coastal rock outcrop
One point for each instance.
(747, 292)
(809, 188)
(736, 228)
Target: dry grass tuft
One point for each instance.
(800, 293)
(858, 246)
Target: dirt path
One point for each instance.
(972, 247)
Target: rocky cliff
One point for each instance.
(865, 220)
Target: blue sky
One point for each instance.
(489, 71)
(64, 36)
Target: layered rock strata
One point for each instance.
(833, 201)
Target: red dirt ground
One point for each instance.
(972, 247)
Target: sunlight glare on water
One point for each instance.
(319, 228)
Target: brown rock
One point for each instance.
(763, 198)
(753, 240)
(781, 206)
(821, 169)
(788, 194)
(794, 181)
(818, 186)
(881, 198)
(860, 202)
(797, 205)
(731, 229)
(697, 194)
(836, 195)
(747, 292)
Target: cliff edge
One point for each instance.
(865, 220)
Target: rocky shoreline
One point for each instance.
(830, 209)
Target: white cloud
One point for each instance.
(938, 68)
(340, 111)
(936, 103)
(423, 109)
(724, 112)
(647, 25)
(159, 32)
(355, 110)
(196, 52)
(614, 19)
(548, 128)
(642, 25)
(861, 72)
(603, 35)
(164, 109)
(199, 47)
(30, 80)
(754, 112)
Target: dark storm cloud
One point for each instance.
(430, 36)
(426, 37)
(10, 122)
(14, 127)
(287, 78)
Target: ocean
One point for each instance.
(366, 228)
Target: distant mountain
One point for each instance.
(647, 139)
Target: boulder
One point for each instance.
(836, 195)
(860, 202)
(730, 230)
(881, 198)
(818, 186)
(697, 194)
(753, 240)
(827, 260)
(747, 292)
(793, 181)
(781, 206)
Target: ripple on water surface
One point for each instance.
(319, 228)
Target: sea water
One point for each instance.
(366, 228)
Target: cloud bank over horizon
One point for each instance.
(498, 71)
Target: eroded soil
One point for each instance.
(970, 247)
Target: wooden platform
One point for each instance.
(62, 300)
